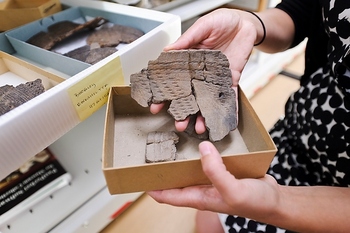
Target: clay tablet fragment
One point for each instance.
(62, 30)
(114, 35)
(12, 97)
(193, 81)
(90, 54)
(160, 146)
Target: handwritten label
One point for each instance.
(91, 93)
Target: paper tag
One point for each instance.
(91, 93)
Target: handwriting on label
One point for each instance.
(91, 93)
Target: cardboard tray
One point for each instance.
(247, 152)
(47, 118)
(55, 59)
(14, 13)
(14, 71)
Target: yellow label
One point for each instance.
(91, 93)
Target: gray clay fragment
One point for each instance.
(140, 88)
(160, 146)
(181, 108)
(111, 36)
(62, 30)
(191, 80)
(218, 107)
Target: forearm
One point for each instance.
(279, 29)
(312, 209)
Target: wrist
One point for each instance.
(257, 23)
(262, 38)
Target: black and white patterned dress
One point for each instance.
(313, 139)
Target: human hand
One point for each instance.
(250, 198)
(223, 29)
(226, 30)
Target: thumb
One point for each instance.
(212, 162)
(215, 169)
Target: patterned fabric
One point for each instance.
(313, 139)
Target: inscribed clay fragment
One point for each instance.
(193, 81)
(90, 54)
(160, 146)
(111, 36)
(62, 30)
(12, 97)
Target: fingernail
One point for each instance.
(204, 148)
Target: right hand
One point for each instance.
(223, 29)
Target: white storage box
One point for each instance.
(86, 87)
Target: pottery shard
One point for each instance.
(62, 30)
(140, 88)
(160, 146)
(11, 97)
(218, 107)
(89, 54)
(193, 80)
(181, 108)
(111, 36)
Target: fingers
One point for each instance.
(215, 170)
(155, 108)
(192, 37)
(192, 196)
(182, 125)
(200, 124)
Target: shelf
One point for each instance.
(50, 120)
(262, 67)
(195, 8)
(31, 127)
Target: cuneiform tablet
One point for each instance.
(193, 81)
(160, 146)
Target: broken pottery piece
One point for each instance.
(160, 146)
(193, 81)
(215, 103)
(111, 36)
(90, 54)
(181, 108)
(12, 97)
(62, 30)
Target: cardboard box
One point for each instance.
(18, 37)
(48, 117)
(14, 13)
(247, 151)
(14, 71)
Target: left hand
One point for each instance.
(244, 197)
